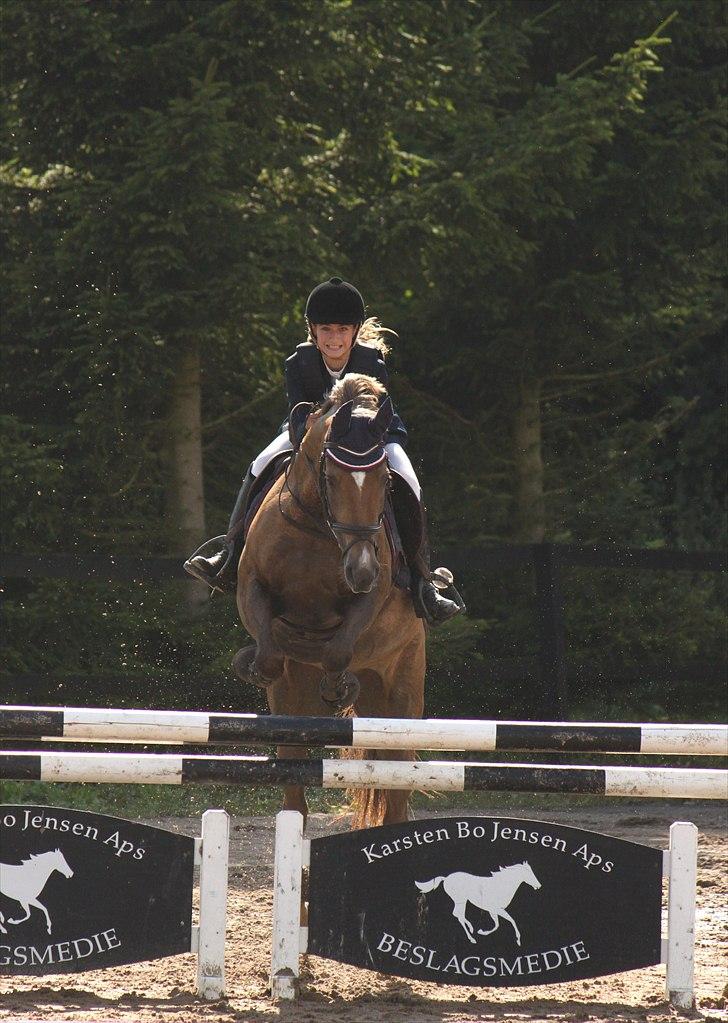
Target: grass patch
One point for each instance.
(146, 801)
(152, 801)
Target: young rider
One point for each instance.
(340, 340)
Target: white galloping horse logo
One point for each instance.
(492, 893)
(26, 880)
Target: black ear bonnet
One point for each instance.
(357, 442)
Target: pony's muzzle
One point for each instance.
(361, 568)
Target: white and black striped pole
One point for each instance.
(81, 724)
(436, 776)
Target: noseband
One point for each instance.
(366, 534)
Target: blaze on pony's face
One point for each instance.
(356, 478)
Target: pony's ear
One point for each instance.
(341, 422)
(380, 424)
(297, 421)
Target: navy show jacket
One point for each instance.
(307, 378)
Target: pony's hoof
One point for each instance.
(245, 669)
(340, 691)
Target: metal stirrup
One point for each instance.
(215, 539)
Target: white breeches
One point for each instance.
(399, 462)
(396, 456)
(276, 447)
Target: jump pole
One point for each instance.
(435, 776)
(163, 726)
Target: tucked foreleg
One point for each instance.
(256, 611)
(495, 920)
(340, 688)
(21, 919)
(357, 617)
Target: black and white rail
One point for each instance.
(436, 776)
(48, 724)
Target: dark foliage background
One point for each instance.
(532, 194)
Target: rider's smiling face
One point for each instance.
(334, 341)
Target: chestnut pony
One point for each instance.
(332, 632)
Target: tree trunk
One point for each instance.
(185, 494)
(530, 526)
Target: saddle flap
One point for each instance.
(262, 485)
(400, 571)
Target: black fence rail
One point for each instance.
(552, 669)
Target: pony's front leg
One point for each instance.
(357, 617)
(495, 920)
(39, 905)
(339, 687)
(263, 664)
(21, 919)
(458, 911)
(512, 922)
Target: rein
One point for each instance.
(365, 533)
(319, 531)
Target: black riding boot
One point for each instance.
(221, 570)
(430, 603)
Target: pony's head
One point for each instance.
(354, 475)
(59, 861)
(528, 875)
(55, 858)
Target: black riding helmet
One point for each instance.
(335, 301)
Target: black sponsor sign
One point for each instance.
(82, 891)
(485, 901)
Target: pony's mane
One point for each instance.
(500, 870)
(366, 393)
(37, 856)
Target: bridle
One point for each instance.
(365, 534)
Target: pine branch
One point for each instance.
(543, 14)
(443, 409)
(555, 418)
(657, 432)
(244, 409)
(590, 378)
(593, 378)
(580, 67)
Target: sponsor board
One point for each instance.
(82, 891)
(486, 901)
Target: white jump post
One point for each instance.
(208, 939)
(680, 952)
(287, 936)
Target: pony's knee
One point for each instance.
(338, 654)
(269, 666)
